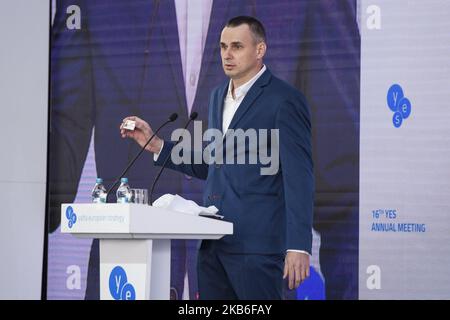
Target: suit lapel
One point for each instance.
(168, 22)
(219, 114)
(254, 92)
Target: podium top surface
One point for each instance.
(137, 221)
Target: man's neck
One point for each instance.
(236, 83)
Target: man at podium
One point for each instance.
(271, 212)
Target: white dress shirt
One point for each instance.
(193, 21)
(234, 98)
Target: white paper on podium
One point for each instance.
(177, 203)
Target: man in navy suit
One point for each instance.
(272, 214)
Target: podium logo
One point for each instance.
(119, 287)
(71, 216)
(399, 104)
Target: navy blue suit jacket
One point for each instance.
(270, 213)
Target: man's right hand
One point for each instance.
(141, 133)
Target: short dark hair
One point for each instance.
(254, 24)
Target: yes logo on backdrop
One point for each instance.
(71, 216)
(399, 104)
(119, 287)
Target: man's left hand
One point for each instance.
(296, 268)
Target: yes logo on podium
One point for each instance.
(71, 216)
(119, 287)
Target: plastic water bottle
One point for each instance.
(123, 192)
(99, 192)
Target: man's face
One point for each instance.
(241, 55)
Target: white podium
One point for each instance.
(135, 244)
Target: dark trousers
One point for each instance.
(229, 276)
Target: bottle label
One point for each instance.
(122, 200)
(99, 200)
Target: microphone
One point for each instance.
(172, 118)
(192, 117)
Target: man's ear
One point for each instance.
(261, 50)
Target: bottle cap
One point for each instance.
(99, 180)
(124, 180)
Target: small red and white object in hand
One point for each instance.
(128, 125)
